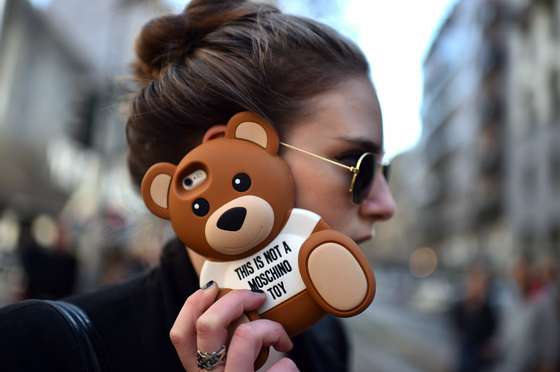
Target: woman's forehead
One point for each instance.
(351, 110)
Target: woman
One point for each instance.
(196, 70)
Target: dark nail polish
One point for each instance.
(257, 290)
(207, 285)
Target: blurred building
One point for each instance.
(62, 76)
(533, 131)
(490, 132)
(63, 70)
(463, 135)
(40, 76)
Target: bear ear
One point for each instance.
(155, 188)
(252, 127)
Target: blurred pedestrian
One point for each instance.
(475, 322)
(50, 271)
(529, 340)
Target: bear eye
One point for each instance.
(241, 182)
(190, 181)
(200, 207)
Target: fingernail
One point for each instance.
(207, 285)
(257, 290)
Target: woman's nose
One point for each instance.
(379, 204)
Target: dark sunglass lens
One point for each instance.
(386, 171)
(364, 178)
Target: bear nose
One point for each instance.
(232, 219)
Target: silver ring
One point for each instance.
(209, 361)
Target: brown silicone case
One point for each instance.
(231, 198)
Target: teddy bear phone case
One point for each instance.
(231, 200)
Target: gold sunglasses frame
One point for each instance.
(354, 169)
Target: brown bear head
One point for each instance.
(229, 196)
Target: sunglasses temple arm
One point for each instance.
(351, 169)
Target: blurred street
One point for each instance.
(394, 337)
(389, 338)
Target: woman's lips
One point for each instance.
(363, 239)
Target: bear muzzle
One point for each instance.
(239, 225)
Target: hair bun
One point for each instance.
(172, 37)
(158, 43)
(206, 16)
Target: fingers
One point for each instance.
(212, 325)
(182, 333)
(202, 323)
(284, 365)
(248, 340)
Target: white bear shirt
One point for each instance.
(274, 269)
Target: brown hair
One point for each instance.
(216, 58)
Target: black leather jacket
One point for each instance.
(133, 320)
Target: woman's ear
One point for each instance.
(155, 188)
(252, 127)
(214, 132)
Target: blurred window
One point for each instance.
(528, 241)
(531, 123)
(555, 238)
(555, 168)
(555, 21)
(83, 127)
(529, 180)
(554, 93)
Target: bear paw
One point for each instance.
(337, 274)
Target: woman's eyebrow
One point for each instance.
(366, 145)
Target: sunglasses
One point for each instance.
(363, 172)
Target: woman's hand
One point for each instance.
(202, 324)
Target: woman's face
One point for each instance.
(345, 122)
